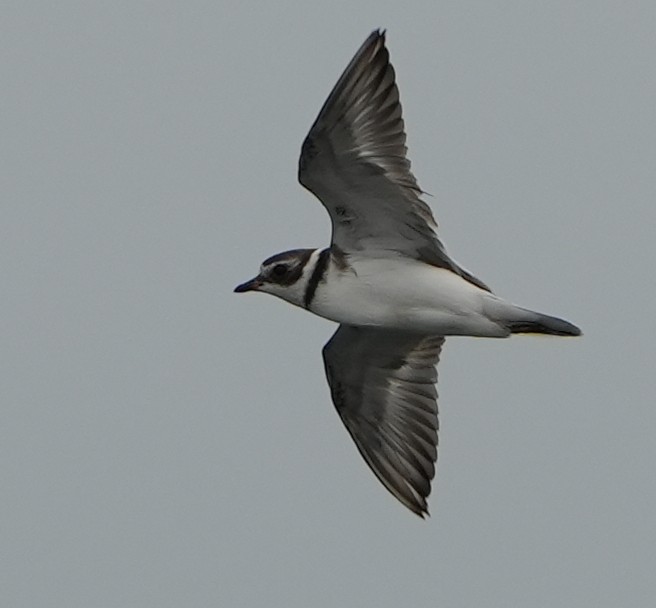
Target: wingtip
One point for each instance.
(419, 508)
(377, 35)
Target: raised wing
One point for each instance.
(354, 160)
(383, 386)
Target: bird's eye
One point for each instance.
(279, 270)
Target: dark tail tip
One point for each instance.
(545, 324)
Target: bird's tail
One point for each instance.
(519, 320)
(543, 324)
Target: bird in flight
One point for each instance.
(386, 279)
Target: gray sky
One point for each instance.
(165, 442)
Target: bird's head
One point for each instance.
(284, 275)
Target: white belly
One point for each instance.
(407, 295)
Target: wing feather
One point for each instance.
(354, 160)
(383, 386)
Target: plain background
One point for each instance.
(165, 442)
